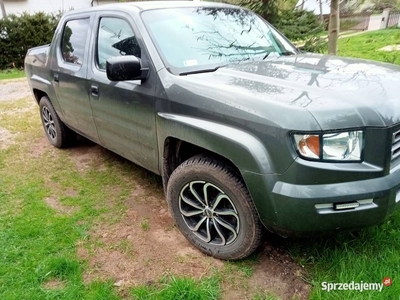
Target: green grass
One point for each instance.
(11, 74)
(243, 267)
(172, 288)
(367, 45)
(38, 244)
(145, 224)
(368, 255)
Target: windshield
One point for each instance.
(205, 38)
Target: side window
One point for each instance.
(74, 41)
(115, 38)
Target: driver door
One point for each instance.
(123, 112)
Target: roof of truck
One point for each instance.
(145, 5)
(148, 5)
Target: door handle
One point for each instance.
(94, 90)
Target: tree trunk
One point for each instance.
(321, 13)
(334, 24)
(3, 9)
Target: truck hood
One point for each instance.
(338, 92)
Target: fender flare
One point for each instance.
(243, 149)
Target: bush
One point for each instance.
(18, 33)
(268, 9)
(295, 24)
(298, 24)
(380, 5)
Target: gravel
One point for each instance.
(14, 89)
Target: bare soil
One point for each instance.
(6, 138)
(14, 89)
(391, 48)
(54, 284)
(55, 204)
(144, 245)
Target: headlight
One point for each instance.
(336, 146)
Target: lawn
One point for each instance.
(11, 74)
(367, 45)
(83, 223)
(366, 256)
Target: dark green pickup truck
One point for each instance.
(245, 130)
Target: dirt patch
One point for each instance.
(275, 273)
(70, 193)
(11, 90)
(54, 284)
(6, 138)
(390, 48)
(86, 154)
(132, 254)
(144, 245)
(55, 204)
(39, 147)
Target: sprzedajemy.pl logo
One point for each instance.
(356, 286)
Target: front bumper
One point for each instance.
(299, 209)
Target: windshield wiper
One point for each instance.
(288, 53)
(266, 55)
(201, 71)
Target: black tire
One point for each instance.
(235, 230)
(58, 134)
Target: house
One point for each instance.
(345, 6)
(49, 6)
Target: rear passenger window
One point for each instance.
(74, 41)
(115, 38)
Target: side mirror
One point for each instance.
(122, 68)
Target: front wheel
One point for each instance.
(58, 134)
(213, 209)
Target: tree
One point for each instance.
(268, 9)
(3, 9)
(321, 13)
(334, 24)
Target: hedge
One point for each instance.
(18, 33)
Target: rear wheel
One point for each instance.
(58, 134)
(213, 209)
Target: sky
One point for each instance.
(312, 5)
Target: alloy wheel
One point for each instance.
(209, 213)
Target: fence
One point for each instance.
(357, 22)
(394, 17)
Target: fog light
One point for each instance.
(343, 206)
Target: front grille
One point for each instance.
(395, 148)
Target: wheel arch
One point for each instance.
(181, 137)
(38, 94)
